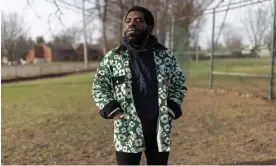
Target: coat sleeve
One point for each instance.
(102, 91)
(177, 88)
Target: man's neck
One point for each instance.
(142, 45)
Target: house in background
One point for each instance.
(63, 52)
(264, 51)
(260, 51)
(247, 51)
(94, 52)
(43, 53)
(74, 52)
(40, 53)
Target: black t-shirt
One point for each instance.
(145, 90)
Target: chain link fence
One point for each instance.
(236, 56)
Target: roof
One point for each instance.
(58, 47)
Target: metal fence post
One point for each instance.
(172, 35)
(213, 47)
(16, 73)
(273, 54)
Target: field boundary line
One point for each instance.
(241, 74)
(224, 91)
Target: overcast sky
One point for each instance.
(36, 16)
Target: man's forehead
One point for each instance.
(134, 14)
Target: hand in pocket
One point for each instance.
(118, 115)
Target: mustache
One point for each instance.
(133, 29)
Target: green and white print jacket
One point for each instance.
(112, 89)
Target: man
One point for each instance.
(141, 86)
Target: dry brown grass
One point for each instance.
(224, 129)
(56, 122)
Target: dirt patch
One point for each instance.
(61, 125)
(221, 128)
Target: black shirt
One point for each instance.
(145, 91)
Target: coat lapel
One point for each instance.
(160, 83)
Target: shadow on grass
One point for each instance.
(46, 76)
(267, 162)
(52, 84)
(41, 78)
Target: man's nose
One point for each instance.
(132, 23)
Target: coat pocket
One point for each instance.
(119, 87)
(118, 80)
(120, 129)
(171, 113)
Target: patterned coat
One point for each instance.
(112, 83)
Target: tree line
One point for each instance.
(177, 24)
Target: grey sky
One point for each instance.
(37, 15)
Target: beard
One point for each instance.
(137, 37)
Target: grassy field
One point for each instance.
(54, 121)
(198, 74)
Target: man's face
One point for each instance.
(135, 27)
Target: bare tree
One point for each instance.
(71, 34)
(217, 46)
(116, 13)
(256, 24)
(195, 28)
(186, 27)
(102, 14)
(12, 28)
(110, 13)
(90, 31)
(234, 43)
(160, 9)
(23, 46)
(232, 40)
(268, 37)
(188, 17)
(68, 36)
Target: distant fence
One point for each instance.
(40, 70)
(194, 57)
(205, 55)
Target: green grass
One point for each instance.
(199, 74)
(46, 120)
(55, 121)
(247, 65)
